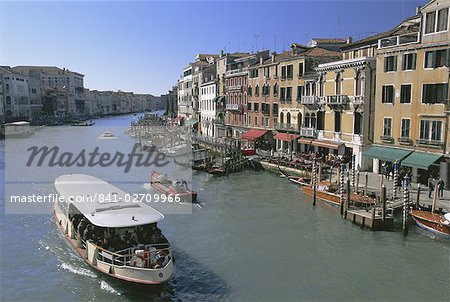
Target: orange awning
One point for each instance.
(253, 134)
(306, 141)
(286, 136)
(326, 144)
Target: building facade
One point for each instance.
(412, 96)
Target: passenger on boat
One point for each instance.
(81, 227)
(88, 233)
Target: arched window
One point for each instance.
(8, 100)
(321, 84)
(249, 90)
(313, 120)
(313, 89)
(299, 119)
(358, 83)
(307, 120)
(338, 83)
(275, 89)
(288, 118)
(256, 90)
(7, 87)
(281, 117)
(267, 90)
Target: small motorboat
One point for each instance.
(167, 186)
(303, 181)
(216, 171)
(433, 222)
(107, 135)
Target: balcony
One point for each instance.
(309, 132)
(358, 100)
(429, 142)
(235, 87)
(387, 139)
(337, 99)
(285, 127)
(311, 100)
(233, 107)
(398, 40)
(235, 72)
(405, 141)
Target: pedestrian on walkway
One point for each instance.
(441, 185)
(430, 186)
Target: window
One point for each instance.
(388, 94)
(430, 20)
(387, 127)
(442, 19)
(406, 126)
(358, 83)
(267, 72)
(300, 90)
(437, 58)
(430, 130)
(300, 69)
(249, 106)
(256, 121)
(357, 123)
(434, 93)
(256, 90)
(283, 94)
(256, 107)
(337, 121)
(275, 89)
(409, 61)
(290, 72)
(283, 72)
(390, 63)
(405, 94)
(249, 90)
(288, 94)
(337, 83)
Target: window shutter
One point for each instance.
(414, 56)
(395, 63)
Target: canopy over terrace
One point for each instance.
(420, 160)
(253, 134)
(286, 137)
(326, 144)
(387, 153)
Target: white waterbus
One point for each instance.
(112, 233)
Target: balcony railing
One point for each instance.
(286, 127)
(405, 140)
(338, 99)
(308, 131)
(310, 100)
(233, 107)
(429, 142)
(398, 40)
(235, 87)
(358, 100)
(387, 139)
(236, 72)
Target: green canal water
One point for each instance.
(253, 237)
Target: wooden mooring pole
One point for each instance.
(405, 206)
(435, 194)
(342, 189)
(418, 196)
(347, 200)
(383, 202)
(366, 183)
(314, 180)
(357, 182)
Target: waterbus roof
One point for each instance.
(21, 123)
(85, 192)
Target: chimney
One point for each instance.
(349, 39)
(260, 60)
(273, 56)
(418, 10)
(221, 53)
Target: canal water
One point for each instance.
(253, 237)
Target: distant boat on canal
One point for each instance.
(115, 236)
(167, 186)
(20, 129)
(82, 123)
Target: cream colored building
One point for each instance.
(412, 96)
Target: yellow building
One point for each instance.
(412, 95)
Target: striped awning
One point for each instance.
(326, 144)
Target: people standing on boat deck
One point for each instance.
(440, 185)
(88, 233)
(75, 221)
(430, 186)
(81, 227)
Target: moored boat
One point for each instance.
(433, 222)
(167, 186)
(82, 123)
(111, 234)
(107, 135)
(20, 129)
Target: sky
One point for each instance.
(143, 46)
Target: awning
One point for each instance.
(326, 144)
(387, 153)
(286, 136)
(306, 141)
(191, 122)
(420, 160)
(219, 98)
(253, 134)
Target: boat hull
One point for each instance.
(326, 196)
(432, 222)
(189, 196)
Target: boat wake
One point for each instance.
(77, 270)
(108, 288)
